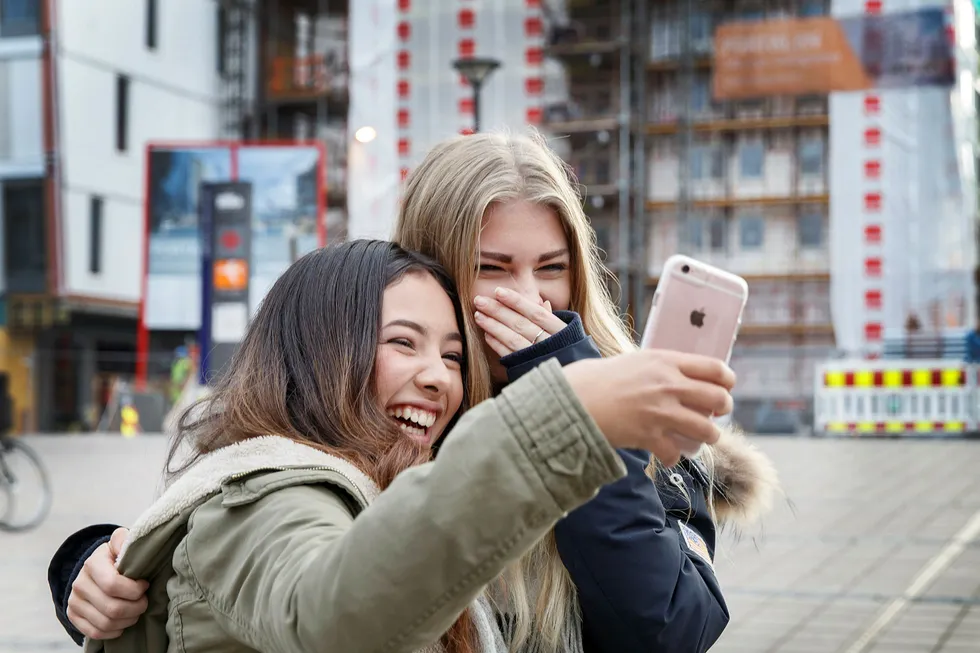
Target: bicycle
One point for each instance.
(22, 475)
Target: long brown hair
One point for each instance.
(305, 371)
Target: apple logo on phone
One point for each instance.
(697, 318)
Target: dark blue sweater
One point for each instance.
(633, 550)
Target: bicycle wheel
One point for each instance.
(24, 480)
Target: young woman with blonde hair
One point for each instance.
(632, 569)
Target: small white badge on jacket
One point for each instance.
(696, 543)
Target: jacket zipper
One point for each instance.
(678, 481)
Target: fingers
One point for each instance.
(498, 347)
(530, 320)
(119, 537)
(98, 615)
(701, 368)
(101, 568)
(687, 446)
(509, 339)
(691, 424)
(704, 398)
(86, 628)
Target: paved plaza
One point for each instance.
(873, 549)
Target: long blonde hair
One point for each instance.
(446, 199)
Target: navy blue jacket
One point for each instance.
(633, 550)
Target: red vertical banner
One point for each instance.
(533, 61)
(872, 216)
(403, 90)
(467, 19)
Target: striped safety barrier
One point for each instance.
(896, 397)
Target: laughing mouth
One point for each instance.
(413, 421)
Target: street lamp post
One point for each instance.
(476, 70)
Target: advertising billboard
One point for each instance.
(818, 55)
(287, 207)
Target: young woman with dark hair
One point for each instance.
(302, 512)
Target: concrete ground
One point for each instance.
(875, 547)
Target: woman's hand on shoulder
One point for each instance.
(511, 322)
(103, 602)
(639, 399)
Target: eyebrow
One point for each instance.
(507, 258)
(421, 330)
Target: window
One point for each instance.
(705, 162)
(751, 230)
(692, 233)
(95, 235)
(718, 234)
(700, 95)
(20, 17)
(701, 35)
(813, 8)
(809, 227)
(122, 112)
(700, 24)
(151, 24)
(750, 157)
(811, 156)
(25, 247)
(716, 162)
(696, 161)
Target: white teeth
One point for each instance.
(423, 418)
(412, 430)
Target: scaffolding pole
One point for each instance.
(640, 48)
(685, 126)
(623, 172)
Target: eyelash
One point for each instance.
(456, 358)
(554, 267)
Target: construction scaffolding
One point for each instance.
(742, 185)
(284, 76)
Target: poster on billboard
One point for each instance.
(288, 209)
(799, 56)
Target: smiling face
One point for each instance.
(523, 247)
(418, 367)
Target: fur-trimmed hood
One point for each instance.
(206, 476)
(744, 479)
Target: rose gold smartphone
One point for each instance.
(697, 309)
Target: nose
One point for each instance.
(433, 375)
(526, 285)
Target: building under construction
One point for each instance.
(285, 76)
(667, 169)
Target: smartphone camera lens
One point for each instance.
(685, 269)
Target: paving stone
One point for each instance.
(866, 517)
